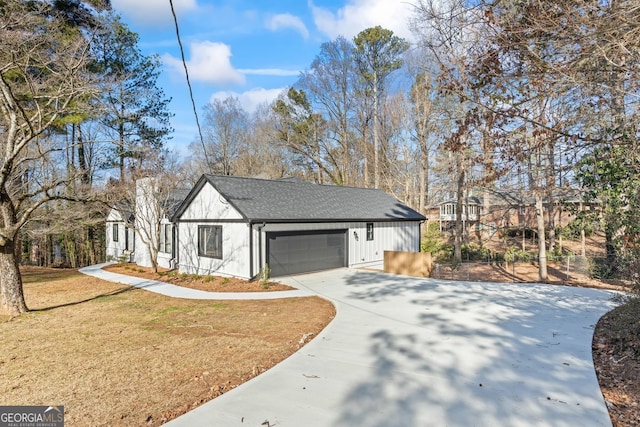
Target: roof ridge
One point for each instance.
(290, 181)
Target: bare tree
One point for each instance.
(226, 129)
(43, 80)
(331, 84)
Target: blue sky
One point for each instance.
(251, 49)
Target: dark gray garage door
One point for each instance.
(301, 252)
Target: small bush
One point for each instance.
(225, 280)
(517, 255)
(208, 279)
(572, 230)
(474, 252)
(444, 253)
(263, 276)
(601, 268)
(432, 239)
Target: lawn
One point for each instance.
(120, 356)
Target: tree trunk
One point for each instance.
(457, 243)
(376, 144)
(10, 281)
(552, 225)
(542, 251)
(424, 175)
(91, 245)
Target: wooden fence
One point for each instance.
(408, 263)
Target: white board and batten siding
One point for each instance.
(209, 208)
(387, 236)
(401, 236)
(116, 249)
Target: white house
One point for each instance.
(153, 227)
(237, 226)
(120, 237)
(131, 227)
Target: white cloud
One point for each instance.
(287, 21)
(152, 12)
(251, 99)
(210, 62)
(358, 15)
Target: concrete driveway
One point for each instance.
(420, 352)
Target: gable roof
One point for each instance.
(174, 201)
(125, 209)
(298, 201)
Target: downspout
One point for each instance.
(260, 265)
(250, 250)
(174, 261)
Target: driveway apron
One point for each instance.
(420, 352)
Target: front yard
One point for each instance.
(120, 356)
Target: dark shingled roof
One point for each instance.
(175, 199)
(299, 201)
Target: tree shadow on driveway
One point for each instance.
(473, 354)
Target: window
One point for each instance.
(210, 241)
(369, 231)
(166, 238)
(115, 233)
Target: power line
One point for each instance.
(186, 72)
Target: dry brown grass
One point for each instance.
(119, 356)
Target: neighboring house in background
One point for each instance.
(471, 214)
(482, 217)
(236, 226)
(120, 235)
(233, 226)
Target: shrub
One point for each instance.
(572, 229)
(498, 257)
(263, 276)
(513, 255)
(601, 268)
(474, 252)
(432, 239)
(444, 253)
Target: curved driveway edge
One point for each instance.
(174, 291)
(420, 352)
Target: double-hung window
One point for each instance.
(115, 232)
(210, 241)
(369, 231)
(166, 238)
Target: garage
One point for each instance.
(305, 251)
